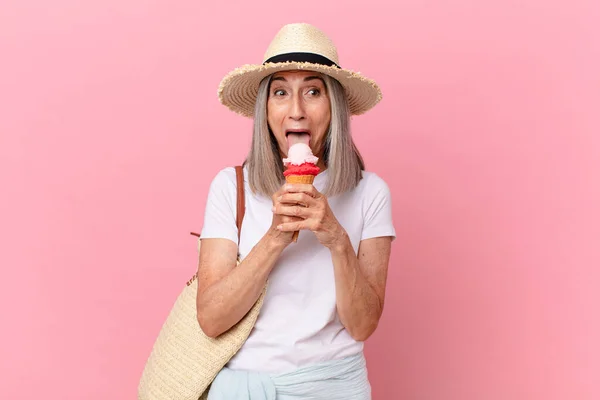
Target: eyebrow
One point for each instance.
(308, 78)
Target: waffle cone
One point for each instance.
(300, 178)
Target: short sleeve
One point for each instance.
(220, 211)
(378, 219)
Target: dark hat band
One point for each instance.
(302, 57)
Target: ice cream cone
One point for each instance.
(301, 165)
(299, 179)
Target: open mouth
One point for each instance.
(294, 136)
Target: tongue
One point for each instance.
(299, 137)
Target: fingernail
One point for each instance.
(279, 198)
(273, 209)
(279, 227)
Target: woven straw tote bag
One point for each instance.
(184, 361)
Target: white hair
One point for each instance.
(341, 156)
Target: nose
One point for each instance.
(297, 111)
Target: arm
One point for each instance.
(360, 283)
(226, 292)
(359, 279)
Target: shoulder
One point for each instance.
(223, 185)
(224, 178)
(372, 183)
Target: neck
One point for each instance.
(321, 165)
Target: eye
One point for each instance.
(279, 92)
(314, 92)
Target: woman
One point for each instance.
(326, 291)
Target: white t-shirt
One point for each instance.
(298, 324)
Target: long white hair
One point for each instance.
(342, 158)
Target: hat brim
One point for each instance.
(239, 88)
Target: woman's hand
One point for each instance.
(302, 207)
(281, 237)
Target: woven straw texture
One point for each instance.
(239, 88)
(303, 38)
(184, 361)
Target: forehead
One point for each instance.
(297, 75)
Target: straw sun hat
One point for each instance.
(296, 46)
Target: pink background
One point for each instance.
(488, 136)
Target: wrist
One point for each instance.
(274, 242)
(341, 243)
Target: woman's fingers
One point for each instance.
(278, 194)
(306, 188)
(302, 199)
(295, 205)
(294, 226)
(299, 201)
(297, 211)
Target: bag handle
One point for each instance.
(241, 201)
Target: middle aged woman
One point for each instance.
(326, 291)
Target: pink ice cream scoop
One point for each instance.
(298, 154)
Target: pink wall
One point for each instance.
(487, 134)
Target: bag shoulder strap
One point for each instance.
(241, 199)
